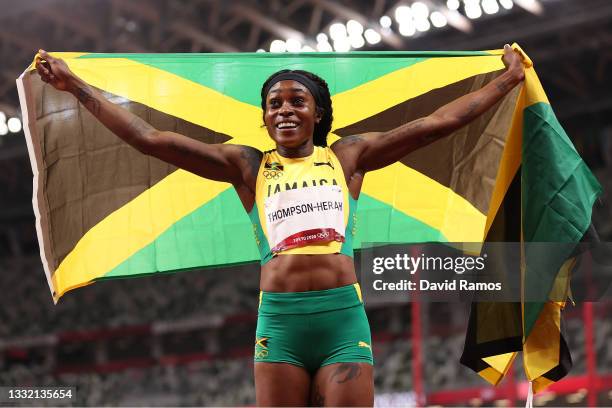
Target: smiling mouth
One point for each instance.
(287, 125)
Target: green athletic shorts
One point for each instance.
(313, 329)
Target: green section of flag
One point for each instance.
(197, 240)
(241, 76)
(383, 223)
(558, 192)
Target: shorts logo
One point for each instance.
(364, 344)
(261, 347)
(262, 342)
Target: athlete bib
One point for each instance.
(302, 205)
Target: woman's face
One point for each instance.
(291, 114)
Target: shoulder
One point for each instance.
(348, 150)
(248, 159)
(249, 153)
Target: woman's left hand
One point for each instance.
(513, 60)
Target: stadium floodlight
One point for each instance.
(322, 37)
(438, 19)
(407, 29)
(385, 22)
(14, 125)
(337, 31)
(324, 46)
(372, 37)
(422, 25)
(261, 50)
(342, 44)
(420, 10)
(293, 45)
(3, 129)
(354, 28)
(2, 117)
(278, 46)
(453, 4)
(403, 15)
(131, 26)
(490, 6)
(356, 41)
(507, 4)
(532, 6)
(472, 9)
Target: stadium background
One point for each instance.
(186, 339)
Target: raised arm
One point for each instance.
(374, 151)
(229, 163)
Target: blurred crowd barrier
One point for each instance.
(187, 339)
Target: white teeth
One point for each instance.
(283, 125)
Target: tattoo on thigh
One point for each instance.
(345, 372)
(318, 399)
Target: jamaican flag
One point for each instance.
(104, 210)
(549, 200)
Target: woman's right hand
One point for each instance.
(54, 71)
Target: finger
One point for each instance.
(42, 71)
(48, 59)
(46, 65)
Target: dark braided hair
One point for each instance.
(325, 110)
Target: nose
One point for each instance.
(285, 109)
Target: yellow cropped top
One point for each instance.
(302, 206)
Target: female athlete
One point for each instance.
(313, 341)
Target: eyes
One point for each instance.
(276, 103)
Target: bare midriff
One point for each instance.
(302, 273)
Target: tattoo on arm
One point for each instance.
(416, 124)
(345, 372)
(350, 140)
(85, 96)
(430, 137)
(469, 112)
(505, 86)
